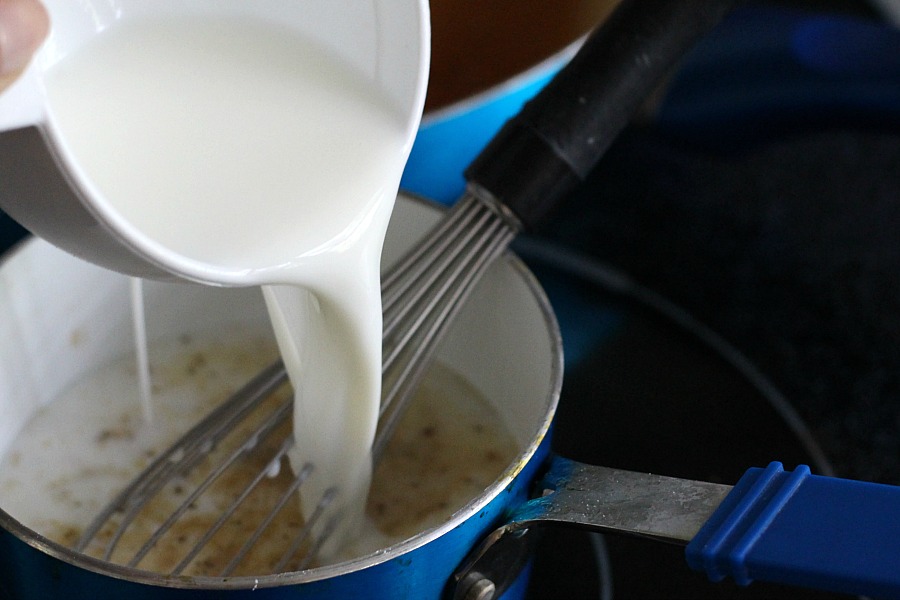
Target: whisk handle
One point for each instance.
(552, 144)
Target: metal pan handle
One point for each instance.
(788, 527)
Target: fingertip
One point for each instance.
(24, 25)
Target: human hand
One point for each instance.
(23, 26)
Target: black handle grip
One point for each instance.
(553, 143)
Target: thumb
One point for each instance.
(23, 27)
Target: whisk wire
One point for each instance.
(184, 454)
(304, 535)
(289, 494)
(232, 508)
(430, 311)
(410, 265)
(262, 432)
(425, 262)
(410, 290)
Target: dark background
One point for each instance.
(775, 231)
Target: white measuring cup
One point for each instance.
(42, 181)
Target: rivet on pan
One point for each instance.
(482, 589)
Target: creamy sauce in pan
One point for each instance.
(78, 451)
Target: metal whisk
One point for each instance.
(421, 295)
(535, 159)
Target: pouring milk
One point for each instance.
(234, 142)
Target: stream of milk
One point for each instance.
(141, 352)
(238, 144)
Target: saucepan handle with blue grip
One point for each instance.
(778, 526)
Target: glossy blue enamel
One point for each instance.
(449, 140)
(806, 530)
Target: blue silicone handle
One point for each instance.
(805, 530)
